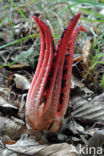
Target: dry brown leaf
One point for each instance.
(6, 104)
(29, 146)
(98, 139)
(62, 149)
(93, 110)
(13, 128)
(8, 153)
(10, 103)
(21, 82)
(26, 145)
(99, 98)
(17, 66)
(94, 147)
(75, 127)
(75, 82)
(86, 53)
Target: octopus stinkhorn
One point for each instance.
(48, 96)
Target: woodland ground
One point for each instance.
(19, 52)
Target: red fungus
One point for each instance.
(48, 97)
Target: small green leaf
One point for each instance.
(27, 56)
(102, 82)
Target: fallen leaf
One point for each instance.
(94, 147)
(11, 127)
(75, 127)
(29, 146)
(14, 66)
(6, 104)
(93, 110)
(21, 82)
(86, 53)
(97, 139)
(63, 149)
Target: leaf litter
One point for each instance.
(84, 121)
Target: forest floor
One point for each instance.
(83, 127)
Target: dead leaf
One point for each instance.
(26, 145)
(63, 149)
(98, 139)
(94, 147)
(17, 66)
(6, 152)
(6, 104)
(99, 98)
(7, 108)
(75, 82)
(29, 146)
(21, 82)
(75, 127)
(93, 110)
(11, 127)
(86, 53)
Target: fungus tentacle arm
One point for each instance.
(41, 56)
(67, 72)
(37, 87)
(64, 90)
